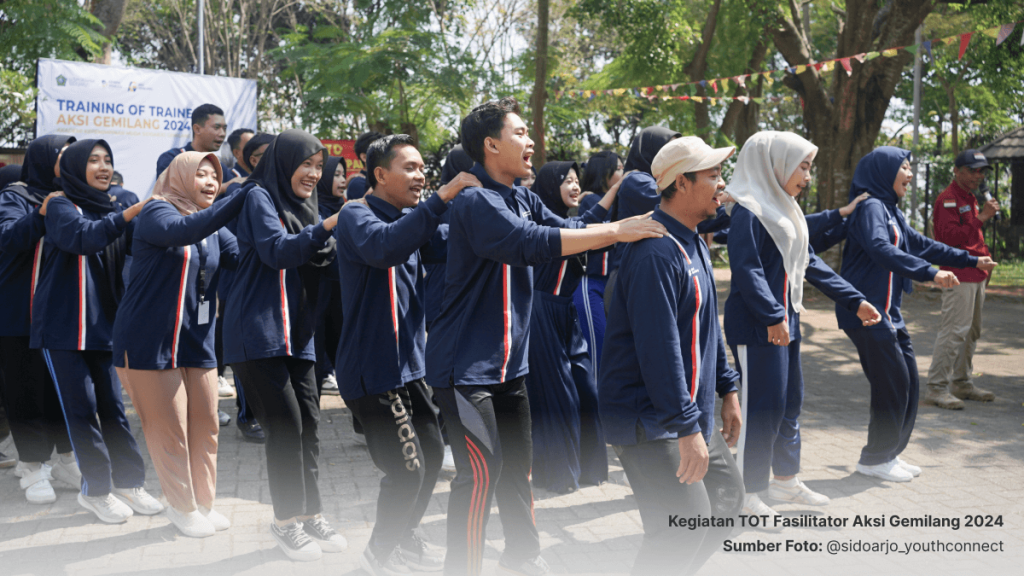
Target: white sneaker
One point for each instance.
(65, 469)
(890, 471)
(754, 506)
(36, 484)
(192, 524)
(216, 518)
(106, 507)
(139, 500)
(795, 491)
(915, 471)
(448, 464)
(330, 386)
(21, 469)
(224, 388)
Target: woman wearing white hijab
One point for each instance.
(770, 258)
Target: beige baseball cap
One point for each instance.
(686, 154)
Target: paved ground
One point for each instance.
(973, 465)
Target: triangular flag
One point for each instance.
(927, 45)
(743, 99)
(1004, 32)
(619, 91)
(697, 99)
(659, 88)
(684, 97)
(768, 79)
(703, 82)
(991, 32)
(801, 69)
(871, 56)
(818, 65)
(860, 57)
(828, 66)
(649, 90)
(951, 40)
(791, 69)
(740, 80)
(714, 84)
(965, 39)
(725, 84)
(592, 95)
(890, 52)
(759, 99)
(845, 62)
(912, 49)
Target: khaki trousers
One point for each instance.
(178, 409)
(959, 330)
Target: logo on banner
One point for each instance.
(61, 80)
(132, 86)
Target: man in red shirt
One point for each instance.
(958, 223)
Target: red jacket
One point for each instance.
(956, 224)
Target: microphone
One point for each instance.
(988, 196)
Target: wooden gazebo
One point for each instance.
(1009, 149)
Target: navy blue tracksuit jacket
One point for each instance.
(74, 305)
(759, 296)
(384, 333)
(270, 314)
(664, 357)
(158, 324)
(497, 234)
(880, 260)
(21, 250)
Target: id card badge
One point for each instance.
(204, 312)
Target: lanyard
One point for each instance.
(201, 284)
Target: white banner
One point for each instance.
(140, 113)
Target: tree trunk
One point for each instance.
(698, 67)
(738, 111)
(110, 13)
(845, 120)
(539, 85)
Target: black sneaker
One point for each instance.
(321, 532)
(533, 567)
(422, 555)
(252, 431)
(295, 543)
(392, 566)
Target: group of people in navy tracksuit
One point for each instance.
(485, 264)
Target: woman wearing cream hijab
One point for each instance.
(770, 258)
(164, 331)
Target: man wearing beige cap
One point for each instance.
(664, 359)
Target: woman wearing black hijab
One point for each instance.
(638, 191)
(10, 174)
(268, 331)
(72, 317)
(33, 408)
(330, 196)
(568, 445)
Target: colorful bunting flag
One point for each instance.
(1004, 32)
(889, 53)
(740, 81)
(860, 57)
(871, 56)
(965, 39)
(846, 65)
(800, 69)
(927, 45)
(725, 84)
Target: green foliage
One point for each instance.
(17, 111)
(33, 29)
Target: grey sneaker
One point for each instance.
(535, 566)
(422, 555)
(65, 469)
(139, 500)
(321, 532)
(393, 565)
(295, 543)
(106, 508)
